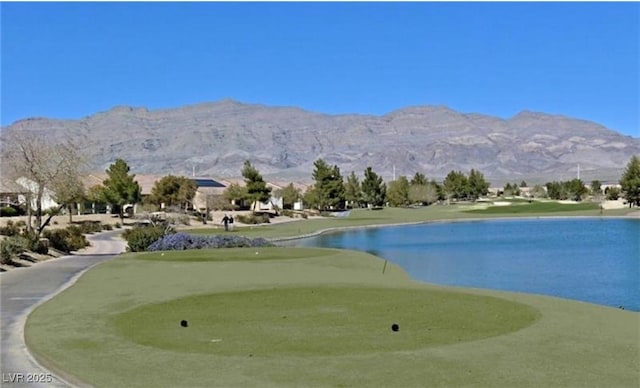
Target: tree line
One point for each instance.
(58, 167)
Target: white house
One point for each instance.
(32, 187)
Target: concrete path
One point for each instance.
(23, 289)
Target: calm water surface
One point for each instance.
(593, 260)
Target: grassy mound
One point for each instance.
(320, 321)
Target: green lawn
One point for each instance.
(386, 216)
(535, 207)
(318, 317)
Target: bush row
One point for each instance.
(141, 237)
(11, 247)
(254, 219)
(13, 228)
(84, 227)
(182, 241)
(66, 240)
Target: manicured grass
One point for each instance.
(536, 208)
(386, 216)
(318, 317)
(320, 321)
(233, 254)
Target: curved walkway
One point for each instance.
(23, 289)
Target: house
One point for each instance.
(12, 193)
(206, 190)
(30, 186)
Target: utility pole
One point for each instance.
(578, 171)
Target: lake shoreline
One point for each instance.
(635, 215)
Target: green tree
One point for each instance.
(257, 190)
(310, 198)
(374, 190)
(630, 182)
(596, 187)
(289, 195)
(398, 192)
(235, 193)
(456, 185)
(419, 179)
(173, 191)
(352, 190)
(612, 193)
(477, 184)
(329, 187)
(556, 190)
(423, 194)
(576, 189)
(120, 188)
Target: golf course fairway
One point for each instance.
(317, 317)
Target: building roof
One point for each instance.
(9, 186)
(207, 182)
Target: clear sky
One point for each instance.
(70, 60)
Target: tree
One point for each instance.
(423, 194)
(477, 185)
(120, 188)
(310, 198)
(612, 193)
(173, 191)
(374, 190)
(398, 192)
(419, 179)
(352, 190)
(596, 188)
(330, 191)
(257, 190)
(46, 165)
(576, 189)
(456, 185)
(289, 195)
(235, 193)
(538, 191)
(630, 182)
(556, 190)
(69, 192)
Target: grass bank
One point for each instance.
(318, 317)
(388, 216)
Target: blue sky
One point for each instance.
(70, 60)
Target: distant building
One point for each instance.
(206, 188)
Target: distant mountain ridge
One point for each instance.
(216, 138)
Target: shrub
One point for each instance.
(66, 240)
(11, 229)
(88, 227)
(141, 237)
(117, 225)
(11, 247)
(182, 241)
(8, 211)
(254, 219)
(34, 243)
(288, 213)
(107, 227)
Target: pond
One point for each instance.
(595, 260)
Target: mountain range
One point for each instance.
(214, 139)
